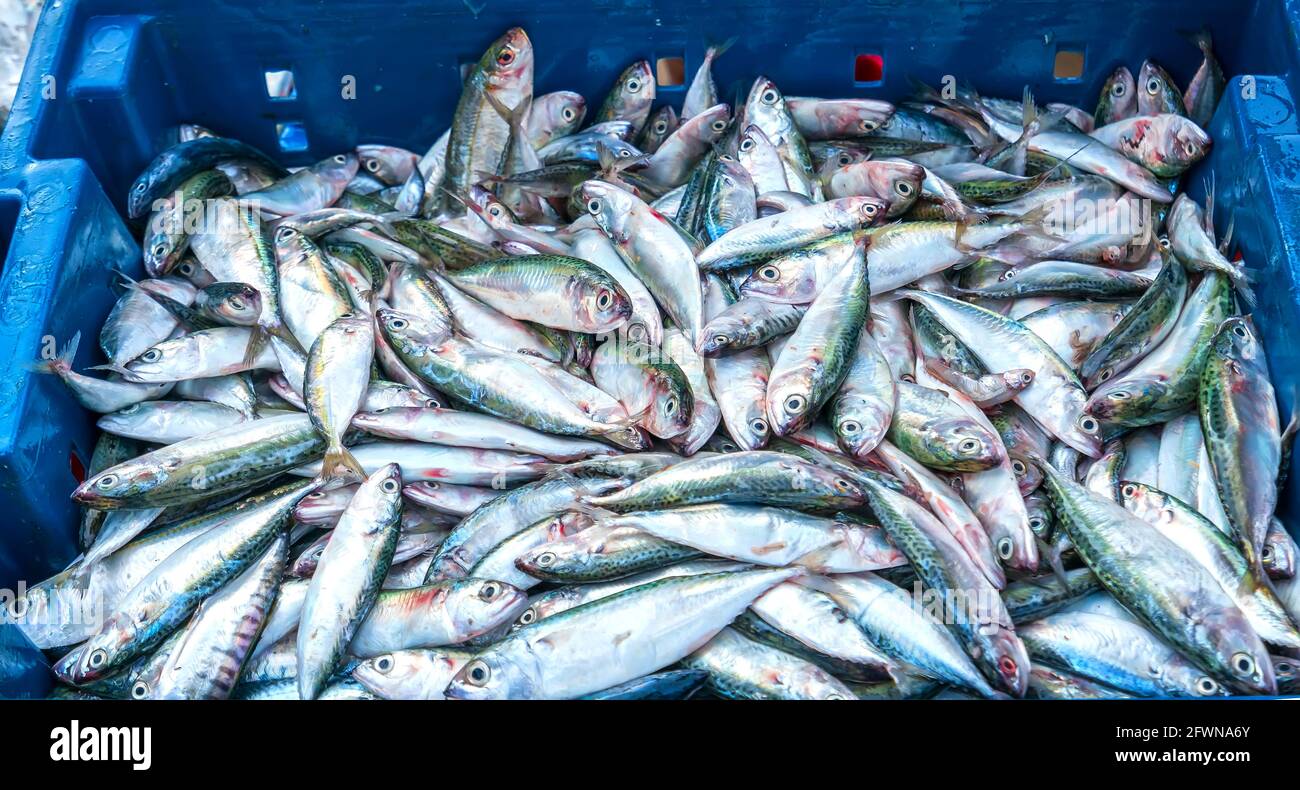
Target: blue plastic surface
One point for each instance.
(107, 78)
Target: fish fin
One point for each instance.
(62, 360)
(1059, 547)
(257, 341)
(113, 367)
(716, 51)
(1226, 242)
(340, 468)
(1202, 40)
(596, 513)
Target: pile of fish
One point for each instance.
(781, 397)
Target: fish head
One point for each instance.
(1245, 661)
(239, 303)
(1122, 400)
(1028, 476)
(899, 183)
(1118, 98)
(1017, 379)
(662, 124)
(508, 63)
(599, 301)
(391, 421)
(1183, 144)
(493, 674)
(305, 565)
(1156, 91)
(632, 94)
(791, 279)
(338, 170)
(860, 423)
(1040, 516)
(563, 112)
(388, 674)
(476, 606)
(107, 651)
(1236, 342)
(833, 488)
(560, 558)
(609, 206)
(964, 445)
(674, 403)
(126, 480)
(409, 334)
(859, 211)
(709, 126)
(1011, 659)
(719, 334)
(789, 409)
(765, 108)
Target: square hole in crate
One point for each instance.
(670, 72)
(1069, 62)
(868, 69)
(280, 85)
(292, 136)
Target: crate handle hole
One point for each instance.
(868, 69)
(292, 136)
(280, 85)
(670, 72)
(76, 466)
(1068, 65)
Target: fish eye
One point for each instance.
(1240, 331)
(604, 299)
(1118, 89)
(567, 114)
(769, 273)
(348, 315)
(661, 127)
(869, 210)
(633, 85)
(747, 145)
(1207, 686)
(1008, 665)
(624, 153)
(721, 340)
(494, 210)
(903, 188)
(719, 125)
(842, 484)
(1088, 424)
(186, 269)
(1153, 86)
(384, 664)
(98, 659)
(593, 206)
(371, 164)
(546, 559)
(1105, 374)
(1036, 523)
(845, 160)
(1018, 466)
(529, 616)
(1190, 149)
(1266, 553)
(1164, 243)
(758, 425)
(850, 426)
(1120, 395)
(1005, 548)
(795, 404)
(1027, 377)
(139, 690)
(159, 250)
(152, 355)
(1244, 663)
(397, 323)
(769, 96)
(489, 591)
(1129, 490)
(284, 233)
(389, 486)
(505, 57)
(728, 447)
(236, 304)
(432, 404)
(1283, 668)
(908, 377)
(140, 188)
(478, 672)
(670, 406)
(869, 125)
(969, 445)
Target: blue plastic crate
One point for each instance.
(107, 78)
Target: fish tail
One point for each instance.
(715, 51)
(62, 361)
(340, 467)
